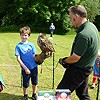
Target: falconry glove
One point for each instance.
(65, 65)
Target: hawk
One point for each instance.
(46, 48)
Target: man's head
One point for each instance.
(79, 9)
(77, 15)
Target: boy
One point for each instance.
(24, 53)
(96, 71)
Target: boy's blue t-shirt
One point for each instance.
(26, 51)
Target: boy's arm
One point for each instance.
(23, 65)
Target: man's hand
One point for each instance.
(61, 61)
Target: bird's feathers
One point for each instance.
(46, 49)
(44, 44)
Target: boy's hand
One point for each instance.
(27, 71)
(39, 58)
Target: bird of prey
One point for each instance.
(45, 46)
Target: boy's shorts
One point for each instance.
(33, 76)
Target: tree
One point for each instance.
(93, 8)
(40, 13)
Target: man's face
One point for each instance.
(72, 18)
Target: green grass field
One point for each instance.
(10, 69)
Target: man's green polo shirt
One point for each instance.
(86, 44)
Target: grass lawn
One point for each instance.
(10, 69)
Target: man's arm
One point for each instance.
(72, 59)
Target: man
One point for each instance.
(52, 28)
(79, 64)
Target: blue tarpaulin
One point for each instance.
(2, 81)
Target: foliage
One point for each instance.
(93, 8)
(97, 22)
(40, 13)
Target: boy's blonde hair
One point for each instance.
(25, 30)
